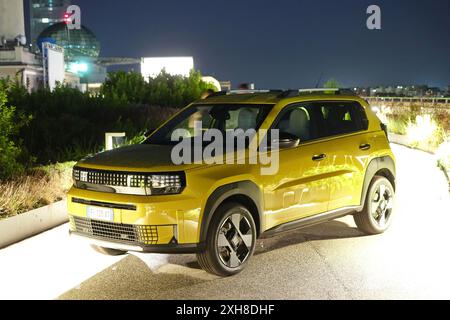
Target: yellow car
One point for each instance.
(328, 156)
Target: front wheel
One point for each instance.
(230, 241)
(376, 216)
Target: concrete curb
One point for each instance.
(404, 141)
(31, 223)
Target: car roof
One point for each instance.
(276, 96)
(254, 98)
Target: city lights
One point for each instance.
(66, 18)
(78, 67)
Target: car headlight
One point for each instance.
(165, 184)
(156, 184)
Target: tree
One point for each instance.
(332, 83)
(130, 87)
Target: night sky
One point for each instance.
(285, 43)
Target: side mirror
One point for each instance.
(285, 141)
(149, 132)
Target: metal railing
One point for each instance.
(433, 100)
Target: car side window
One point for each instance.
(342, 118)
(298, 121)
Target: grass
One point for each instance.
(424, 131)
(43, 185)
(397, 126)
(40, 187)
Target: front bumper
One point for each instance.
(137, 220)
(128, 246)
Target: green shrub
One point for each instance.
(10, 124)
(425, 133)
(126, 87)
(397, 124)
(68, 124)
(164, 90)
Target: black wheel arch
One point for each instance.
(382, 166)
(246, 193)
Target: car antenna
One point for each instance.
(320, 79)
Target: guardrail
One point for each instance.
(433, 100)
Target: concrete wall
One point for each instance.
(20, 55)
(26, 225)
(30, 76)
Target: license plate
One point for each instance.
(104, 214)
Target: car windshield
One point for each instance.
(226, 118)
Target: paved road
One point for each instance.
(330, 261)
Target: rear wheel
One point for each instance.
(230, 240)
(376, 216)
(108, 251)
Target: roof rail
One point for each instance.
(336, 91)
(231, 92)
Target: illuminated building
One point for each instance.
(44, 13)
(81, 51)
(78, 43)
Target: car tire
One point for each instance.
(376, 216)
(228, 246)
(108, 251)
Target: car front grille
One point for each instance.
(146, 235)
(127, 179)
(107, 178)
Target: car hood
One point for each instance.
(140, 157)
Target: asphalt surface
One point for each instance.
(329, 261)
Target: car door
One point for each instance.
(347, 147)
(300, 188)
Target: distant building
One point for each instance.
(16, 62)
(43, 14)
(246, 86)
(81, 51)
(78, 43)
(399, 91)
(434, 92)
(225, 85)
(153, 66)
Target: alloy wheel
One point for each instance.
(234, 240)
(382, 205)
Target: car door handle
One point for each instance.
(319, 157)
(365, 146)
